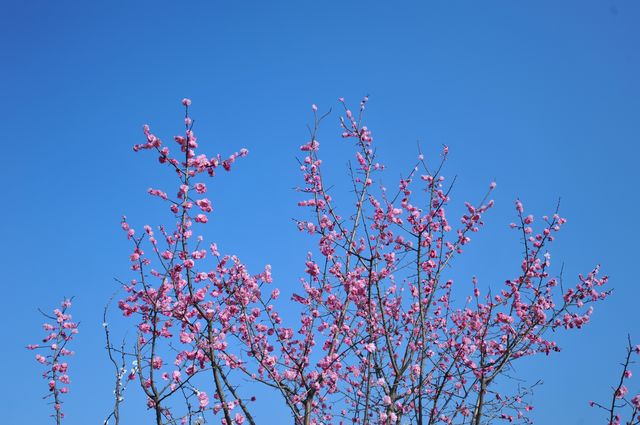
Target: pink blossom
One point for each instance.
(621, 391)
(203, 399)
(157, 362)
(204, 204)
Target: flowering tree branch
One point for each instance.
(60, 331)
(621, 403)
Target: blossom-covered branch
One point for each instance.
(624, 408)
(60, 331)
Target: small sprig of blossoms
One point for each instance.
(60, 330)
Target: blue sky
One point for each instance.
(542, 96)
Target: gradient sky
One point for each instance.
(542, 96)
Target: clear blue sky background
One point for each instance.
(542, 96)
